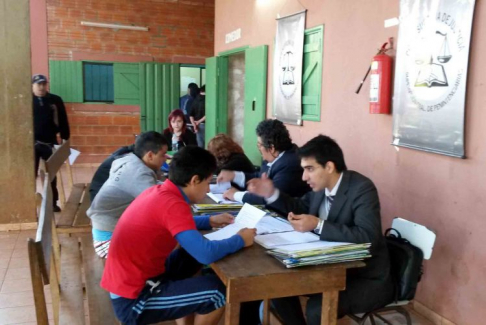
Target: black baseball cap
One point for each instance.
(38, 78)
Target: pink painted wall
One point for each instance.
(445, 194)
(38, 37)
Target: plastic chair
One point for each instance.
(420, 237)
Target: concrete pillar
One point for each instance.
(17, 184)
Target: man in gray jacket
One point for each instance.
(130, 175)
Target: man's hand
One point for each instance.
(221, 220)
(248, 235)
(225, 176)
(261, 186)
(303, 222)
(230, 194)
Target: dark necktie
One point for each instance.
(330, 200)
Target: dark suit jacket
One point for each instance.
(286, 174)
(354, 217)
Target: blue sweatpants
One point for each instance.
(173, 295)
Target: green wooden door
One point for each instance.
(159, 94)
(126, 83)
(312, 74)
(255, 98)
(216, 96)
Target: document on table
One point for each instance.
(218, 198)
(270, 225)
(219, 188)
(285, 238)
(317, 245)
(248, 217)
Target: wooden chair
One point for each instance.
(420, 237)
(60, 263)
(73, 215)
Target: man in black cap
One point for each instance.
(49, 119)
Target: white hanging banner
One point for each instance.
(431, 74)
(287, 69)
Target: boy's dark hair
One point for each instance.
(274, 133)
(202, 89)
(149, 141)
(324, 149)
(190, 161)
(193, 89)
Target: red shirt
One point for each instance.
(144, 238)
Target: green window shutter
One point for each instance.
(66, 80)
(159, 94)
(98, 82)
(312, 74)
(127, 83)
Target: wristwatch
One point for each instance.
(318, 229)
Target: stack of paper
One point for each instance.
(215, 208)
(320, 252)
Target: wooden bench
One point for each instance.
(73, 214)
(69, 264)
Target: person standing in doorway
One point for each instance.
(50, 118)
(186, 101)
(198, 116)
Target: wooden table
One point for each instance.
(251, 274)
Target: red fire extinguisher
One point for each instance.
(380, 82)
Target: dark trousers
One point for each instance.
(44, 151)
(290, 311)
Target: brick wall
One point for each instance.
(179, 31)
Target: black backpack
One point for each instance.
(406, 264)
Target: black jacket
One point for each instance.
(286, 174)
(238, 162)
(354, 217)
(103, 171)
(49, 119)
(187, 138)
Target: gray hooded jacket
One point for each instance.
(129, 176)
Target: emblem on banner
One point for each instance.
(287, 67)
(433, 75)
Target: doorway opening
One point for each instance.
(236, 97)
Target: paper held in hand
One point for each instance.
(219, 188)
(248, 217)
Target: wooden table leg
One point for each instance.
(266, 312)
(329, 307)
(232, 314)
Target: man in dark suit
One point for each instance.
(280, 163)
(344, 207)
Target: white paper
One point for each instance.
(73, 154)
(391, 22)
(285, 238)
(218, 198)
(270, 225)
(219, 188)
(248, 217)
(321, 244)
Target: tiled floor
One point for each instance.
(16, 297)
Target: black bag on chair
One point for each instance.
(406, 264)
